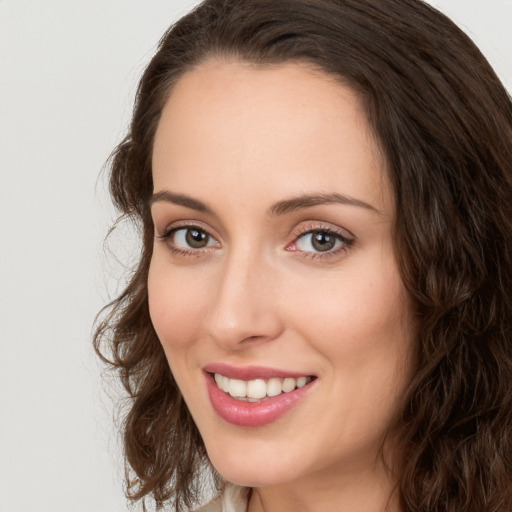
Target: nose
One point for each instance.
(245, 306)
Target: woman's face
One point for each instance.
(273, 272)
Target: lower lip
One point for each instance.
(253, 414)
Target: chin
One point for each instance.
(249, 468)
(260, 476)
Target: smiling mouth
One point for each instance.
(255, 396)
(259, 389)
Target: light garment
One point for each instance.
(232, 499)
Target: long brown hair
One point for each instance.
(444, 123)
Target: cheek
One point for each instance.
(362, 319)
(175, 304)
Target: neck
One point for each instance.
(366, 491)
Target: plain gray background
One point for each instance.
(68, 72)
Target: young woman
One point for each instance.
(321, 316)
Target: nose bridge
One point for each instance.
(243, 307)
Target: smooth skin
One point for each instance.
(237, 277)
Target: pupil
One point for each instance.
(196, 238)
(323, 241)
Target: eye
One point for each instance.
(191, 238)
(319, 241)
(315, 240)
(188, 240)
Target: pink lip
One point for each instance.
(250, 372)
(252, 414)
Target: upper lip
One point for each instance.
(252, 372)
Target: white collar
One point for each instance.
(234, 498)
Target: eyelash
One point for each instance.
(168, 233)
(346, 243)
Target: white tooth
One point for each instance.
(222, 382)
(225, 384)
(256, 388)
(237, 388)
(302, 381)
(274, 387)
(289, 384)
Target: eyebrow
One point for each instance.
(181, 200)
(307, 201)
(279, 208)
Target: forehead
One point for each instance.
(284, 124)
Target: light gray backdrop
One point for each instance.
(68, 71)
